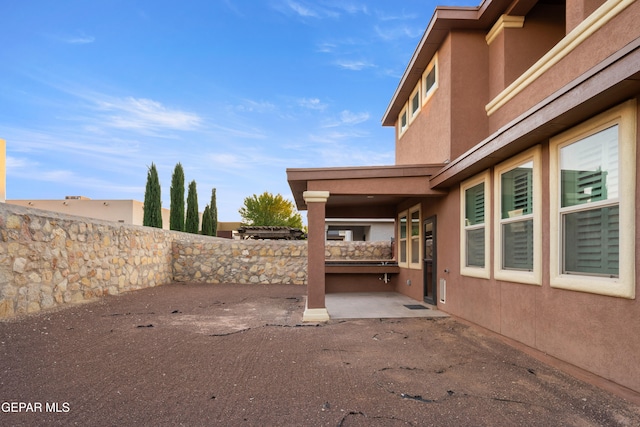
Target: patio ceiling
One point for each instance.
(364, 192)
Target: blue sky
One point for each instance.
(93, 92)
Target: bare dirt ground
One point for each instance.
(231, 355)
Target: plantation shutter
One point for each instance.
(517, 236)
(475, 236)
(591, 235)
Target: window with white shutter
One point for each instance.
(518, 200)
(589, 204)
(475, 214)
(592, 194)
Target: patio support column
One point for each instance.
(316, 311)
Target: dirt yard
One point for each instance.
(238, 355)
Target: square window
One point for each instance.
(415, 102)
(403, 121)
(430, 79)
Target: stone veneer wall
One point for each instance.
(215, 260)
(49, 259)
(355, 251)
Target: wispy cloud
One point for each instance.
(251, 106)
(247, 132)
(335, 136)
(145, 114)
(395, 17)
(326, 47)
(397, 32)
(312, 104)
(351, 118)
(302, 10)
(352, 7)
(306, 9)
(347, 118)
(80, 38)
(15, 163)
(354, 65)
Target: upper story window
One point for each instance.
(592, 187)
(424, 89)
(430, 79)
(403, 122)
(414, 102)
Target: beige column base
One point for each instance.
(315, 315)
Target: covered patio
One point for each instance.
(351, 192)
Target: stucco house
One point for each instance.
(514, 189)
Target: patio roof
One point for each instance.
(364, 191)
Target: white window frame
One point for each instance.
(412, 238)
(408, 240)
(481, 272)
(625, 116)
(404, 111)
(428, 91)
(403, 241)
(533, 277)
(414, 113)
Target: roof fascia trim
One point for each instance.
(443, 19)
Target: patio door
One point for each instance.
(429, 268)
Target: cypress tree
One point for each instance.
(176, 218)
(192, 221)
(152, 201)
(213, 211)
(206, 221)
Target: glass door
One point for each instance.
(430, 270)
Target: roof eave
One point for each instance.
(444, 19)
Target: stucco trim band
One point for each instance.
(505, 21)
(595, 21)
(315, 196)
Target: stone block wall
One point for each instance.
(49, 259)
(215, 260)
(355, 251)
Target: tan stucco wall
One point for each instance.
(597, 333)
(469, 90)
(612, 37)
(427, 138)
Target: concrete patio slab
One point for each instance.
(372, 305)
